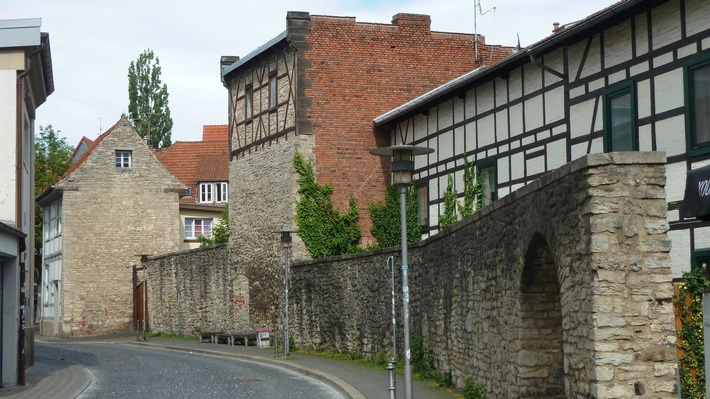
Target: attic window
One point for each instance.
(213, 192)
(123, 159)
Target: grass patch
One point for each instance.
(172, 336)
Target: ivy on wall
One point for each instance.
(472, 196)
(472, 190)
(324, 231)
(691, 350)
(449, 216)
(386, 219)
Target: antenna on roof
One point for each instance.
(476, 10)
(100, 128)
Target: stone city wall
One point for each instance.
(560, 289)
(196, 290)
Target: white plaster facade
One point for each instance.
(546, 106)
(25, 82)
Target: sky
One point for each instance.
(94, 41)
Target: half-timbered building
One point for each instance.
(632, 77)
(315, 89)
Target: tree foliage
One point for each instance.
(386, 219)
(324, 231)
(220, 233)
(52, 159)
(148, 101)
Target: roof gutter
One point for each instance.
(529, 54)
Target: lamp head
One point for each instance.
(402, 166)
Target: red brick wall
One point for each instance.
(362, 70)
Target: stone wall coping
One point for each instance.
(585, 162)
(185, 251)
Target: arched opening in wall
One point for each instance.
(540, 360)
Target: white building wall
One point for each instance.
(530, 120)
(8, 117)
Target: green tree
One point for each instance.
(220, 233)
(52, 159)
(386, 218)
(148, 101)
(324, 231)
(449, 217)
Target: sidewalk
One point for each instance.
(56, 379)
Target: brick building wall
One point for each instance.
(361, 70)
(111, 216)
(333, 76)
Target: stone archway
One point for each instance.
(541, 356)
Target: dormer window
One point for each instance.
(213, 192)
(123, 159)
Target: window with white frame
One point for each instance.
(213, 192)
(197, 228)
(52, 225)
(123, 159)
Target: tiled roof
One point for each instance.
(195, 161)
(215, 132)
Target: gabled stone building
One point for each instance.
(315, 89)
(116, 203)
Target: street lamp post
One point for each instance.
(286, 244)
(402, 169)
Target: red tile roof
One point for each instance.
(215, 132)
(196, 161)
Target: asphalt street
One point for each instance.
(124, 371)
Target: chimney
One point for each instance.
(412, 20)
(555, 26)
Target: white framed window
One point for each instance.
(214, 192)
(206, 192)
(123, 159)
(222, 194)
(52, 226)
(197, 228)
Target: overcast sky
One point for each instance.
(93, 42)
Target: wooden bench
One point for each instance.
(227, 338)
(243, 338)
(206, 335)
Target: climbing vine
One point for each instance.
(472, 189)
(449, 216)
(324, 231)
(386, 219)
(472, 196)
(689, 309)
